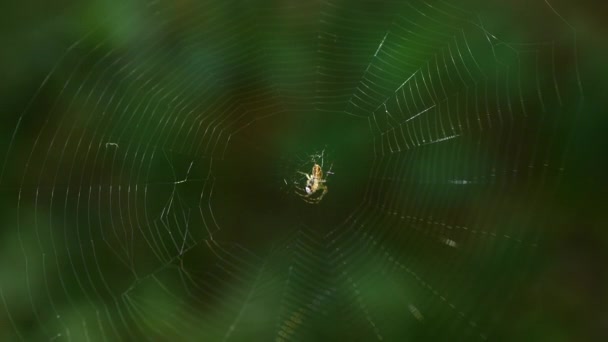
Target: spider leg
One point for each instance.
(322, 158)
(325, 190)
(329, 172)
(312, 198)
(306, 198)
(305, 174)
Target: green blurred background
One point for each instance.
(151, 154)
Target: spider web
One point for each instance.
(143, 179)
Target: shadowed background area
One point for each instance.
(152, 157)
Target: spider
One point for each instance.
(314, 183)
